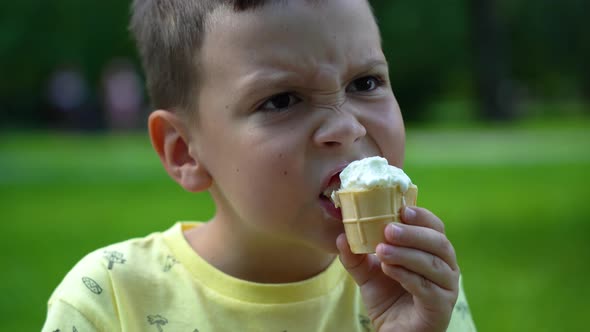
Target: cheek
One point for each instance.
(268, 180)
(260, 170)
(267, 173)
(278, 170)
(269, 194)
(387, 129)
(276, 153)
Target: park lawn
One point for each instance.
(515, 204)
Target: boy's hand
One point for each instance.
(412, 282)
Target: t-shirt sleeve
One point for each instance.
(63, 317)
(461, 320)
(84, 298)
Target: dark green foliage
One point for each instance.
(429, 45)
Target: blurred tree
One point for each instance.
(426, 45)
(493, 86)
(36, 37)
(550, 43)
(435, 51)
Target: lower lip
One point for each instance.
(330, 209)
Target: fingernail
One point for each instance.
(395, 229)
(384, 249)
(409, 213)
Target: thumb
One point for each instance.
(358, 265)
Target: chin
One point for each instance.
(329, 245)
(333, 250)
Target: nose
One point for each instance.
(339, 128)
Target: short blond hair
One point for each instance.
(169, 35)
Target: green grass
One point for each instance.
(515, 203)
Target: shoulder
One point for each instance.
(95, 284)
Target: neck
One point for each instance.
(255, 258)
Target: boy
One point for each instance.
(263, 103)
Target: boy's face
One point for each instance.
(291, 94)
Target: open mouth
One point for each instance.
(326, 200)
(333, 185)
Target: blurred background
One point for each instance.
(496, 96)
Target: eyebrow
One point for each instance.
(270, 77)
(371, 65)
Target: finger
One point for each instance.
(424, 239)
(358, 265)
(425, 290)
(421, 217)
(422, 263)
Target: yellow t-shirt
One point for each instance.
(158, 283)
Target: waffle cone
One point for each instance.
(366, 213)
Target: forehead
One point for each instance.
(291, 35)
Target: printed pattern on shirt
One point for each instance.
(365, 323)
(462, 309)
(92, 285)
(114, 257)
(158, 321)
(170, 262)
(74, 329)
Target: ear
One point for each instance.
(170, 138)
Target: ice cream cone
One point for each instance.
(365, 214)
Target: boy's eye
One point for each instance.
(279, 102)
(364, 84)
